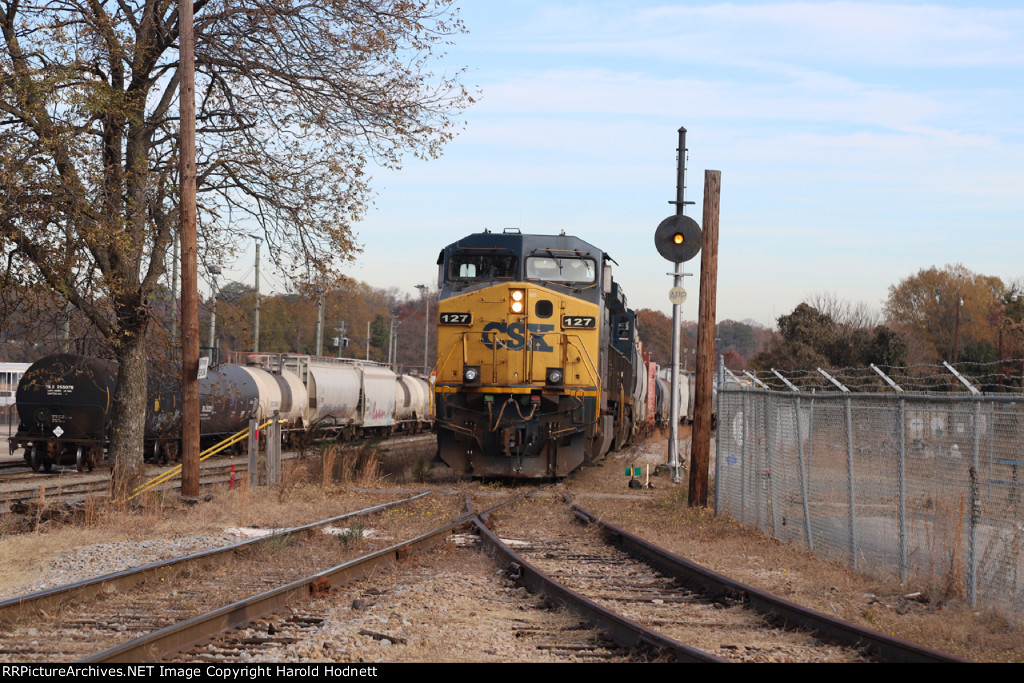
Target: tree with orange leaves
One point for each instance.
(948, 313)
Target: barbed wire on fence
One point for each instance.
(1006, 376)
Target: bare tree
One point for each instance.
(294, 99)
(851, 316)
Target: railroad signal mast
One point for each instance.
(677, 239)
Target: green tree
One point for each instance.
(809, 339)
(292, 102)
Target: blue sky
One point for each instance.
(858, 143)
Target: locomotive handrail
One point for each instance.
(582, 348)
(209, 452)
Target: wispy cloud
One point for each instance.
(858, 142)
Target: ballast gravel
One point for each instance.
(91, 561)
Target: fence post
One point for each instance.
(851, 489)
(810, 433)
(804, 476)
(972, 556)
(721, 431)
(901, 476)
(254, 448)
(274, 453)
(764, 462)
(744, 454)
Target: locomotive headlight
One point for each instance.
(471, 374)
(554, 376)
(517, 303)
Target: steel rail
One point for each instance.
(181, 636)
(18, 607)
(783, 612)
(186, 634)
(76, 491)
(623, 631)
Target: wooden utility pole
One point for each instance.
(189, 260)
(700, 454)
(256, 318)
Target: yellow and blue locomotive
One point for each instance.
(538, 368)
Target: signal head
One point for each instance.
(678, 238)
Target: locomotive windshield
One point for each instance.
(469, 265)
(552, 269)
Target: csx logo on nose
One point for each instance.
(516, 339)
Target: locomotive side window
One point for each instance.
(552, 269)
(465, 265)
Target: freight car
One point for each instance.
(65, 404)
(539, 367)
(687, 386)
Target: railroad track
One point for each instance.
(113, 613)
(18, 485)
(643, 594)
(270, 627)
(77, 621)
(661, 609)
(71, 486)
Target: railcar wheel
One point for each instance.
(80, 459)
(33, 458)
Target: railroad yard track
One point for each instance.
(301, 619)
(71, 486)
(19, 484)
(304, 596)
(77, 621)
(161, 611)
(646, 594)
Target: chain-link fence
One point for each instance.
(925, 486)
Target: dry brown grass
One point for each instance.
(943, 534)
(358, 465)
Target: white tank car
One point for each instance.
(378, 407)
(332, 390)
(281, 391)
(412, 402)
(344, 393)
(686, 389)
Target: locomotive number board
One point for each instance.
(456, 318)
(579, 321)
